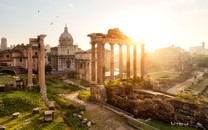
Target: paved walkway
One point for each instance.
(72, 82)
(104, 118)
(182, 86)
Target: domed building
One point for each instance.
(63, 55)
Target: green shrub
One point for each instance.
(84, 95)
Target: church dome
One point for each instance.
(65, 38)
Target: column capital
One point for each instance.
(120, 44)
(92, 42)
(41, 36)
(111, 43)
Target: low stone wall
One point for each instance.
(62, 76)
(130, 117)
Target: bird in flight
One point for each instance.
(38, 11)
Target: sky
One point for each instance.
(158, 23)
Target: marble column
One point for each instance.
(142, 60)
(41, 69)
(93, 62)
(112, 61)
(120, 61)
(135, 61)
(29, 68)
(128, 61)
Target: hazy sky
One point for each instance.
(159, 22)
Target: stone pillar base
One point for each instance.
(29, 86)
(98, 93)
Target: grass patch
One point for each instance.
(84, 95)
(164, 126)
(5, 79)
(19, 101)
(57, 86)
(35, 123)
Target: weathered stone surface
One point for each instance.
(82, 112)
(15, 115)
(89, 124)
(36, 110)
(2, 127)
(79, 116)
(48, 115)
(51, 105)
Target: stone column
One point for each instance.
(29, 68)
(135, 61)
(112, 62)
(41, 69)
(99, 63)
(120, 61)
(93, 62)
(142, 60)
(103, 62)
(128, 61)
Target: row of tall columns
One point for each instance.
(100, 62)
(127, 61)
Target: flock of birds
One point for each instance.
(51, 22)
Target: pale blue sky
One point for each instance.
(159, 22)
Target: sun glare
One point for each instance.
(152, 31)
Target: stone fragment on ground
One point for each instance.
(15, 115)
(89, 124)
(2, 127)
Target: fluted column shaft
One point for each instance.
(112, 61)
(128, 61)
(120, 61)
(135, 61)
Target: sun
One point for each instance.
(151, 31)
